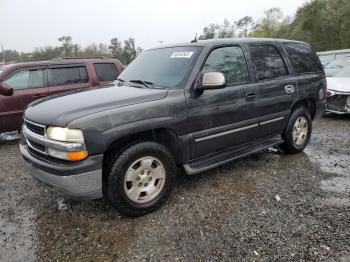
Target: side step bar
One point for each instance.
(217, 159)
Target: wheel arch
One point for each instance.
(309, 103)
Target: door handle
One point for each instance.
(289, 89)
(250, 96)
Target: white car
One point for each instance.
(336, 66)
(338, 95)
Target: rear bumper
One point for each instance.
(82, 180)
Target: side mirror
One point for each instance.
(212, 80)
(6, 89)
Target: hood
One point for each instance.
(339, 84)
(59, 110)
(332, 71)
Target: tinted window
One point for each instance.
(25, 78)
(303, 58)
(268, 61)
(106, 72)
(229, 61)
(61, 76)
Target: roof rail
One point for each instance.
(91, 57)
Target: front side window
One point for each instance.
(303, 58)
(231, 62)
(60, 76)
(106, 72)
(167, 67)
(25, 79)
(268, 61)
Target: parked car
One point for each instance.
(338, 100)
(22, 83)
(336, 66)
(194, 105)
(325, 63)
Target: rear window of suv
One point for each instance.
(267, 61)
(302, 58)
(60, 75)
(106, 72)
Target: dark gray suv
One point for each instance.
(193, 105)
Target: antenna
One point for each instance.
(161, 42)
(194, 40)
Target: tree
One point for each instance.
(225, 30)
(67, 45)
(116, 48)
(129, 51)
(270, 24)
(244, 25)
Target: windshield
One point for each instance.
(164, 67)
(344, 73)
(338, 64)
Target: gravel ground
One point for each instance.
(266, 207)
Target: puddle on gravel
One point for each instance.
(83, 232)
(337, 165)
(16, 238)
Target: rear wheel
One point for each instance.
(141, 178)
(298, 132)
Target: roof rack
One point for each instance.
(91, 57)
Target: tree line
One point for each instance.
(125, 51)
(324, 24)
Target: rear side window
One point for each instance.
(106, 72)
(231, 62)
(67, 75)
(268, 61)
(302, 58)
(25, 79)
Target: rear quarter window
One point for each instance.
(303, 58)
(106, 71)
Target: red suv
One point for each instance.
(22, 83)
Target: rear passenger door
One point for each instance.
(277, 89)
(106, 72)
(65, 77)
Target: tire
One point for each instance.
(147, 166)
(295, 138)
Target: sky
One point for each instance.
(26, 24)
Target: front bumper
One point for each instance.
(82, 179)
(338, 102)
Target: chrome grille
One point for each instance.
(38, 130)
(35, 128)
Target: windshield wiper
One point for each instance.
(145, 83)
(120, 81)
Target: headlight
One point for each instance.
(65, 134)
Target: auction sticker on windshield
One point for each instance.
(183, 54)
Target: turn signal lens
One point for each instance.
(75, 156)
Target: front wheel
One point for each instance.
(141, 178)
(298, 132)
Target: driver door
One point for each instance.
(28, 84)
(225, 117)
